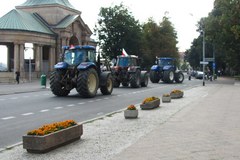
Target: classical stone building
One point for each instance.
(48, 25)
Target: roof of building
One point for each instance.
(31, 3)
(24, 21)
(67, 21)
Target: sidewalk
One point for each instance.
(13, 88)
(204, 125)
(207, 129)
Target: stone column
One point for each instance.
(22, 62)
(16, 58)
(52, 58)
(38, 58)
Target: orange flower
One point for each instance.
(50, 128)
(131, 107)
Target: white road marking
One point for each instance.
(7, 118)
(205, 95)
(58, 107)
(90, 101)
(45, 110)
(81, 103)
(98, 100)
(71, 105)
(100, 113)
(27, 114)
(106, 98)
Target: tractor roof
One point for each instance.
(129, 56)
(79, 47)
(166, 58)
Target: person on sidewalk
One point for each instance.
(17, 76)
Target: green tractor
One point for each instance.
(127, 71)
(80, 69)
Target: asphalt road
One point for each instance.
(20, 113)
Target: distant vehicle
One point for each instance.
(199, 75)
(166, 70)
(127, 71)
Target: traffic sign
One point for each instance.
(214, 65)
(209, 59)
(201, 62)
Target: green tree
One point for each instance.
(223, 31)
(117, 29)
(159, 40)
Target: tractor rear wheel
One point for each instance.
(87, 83)
(56, 86)
(144, 81)
(135, 79)
(168, 76)
(154, 77)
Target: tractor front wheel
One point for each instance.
(154, 77)
(108, 87)
(179, 77)
(168, 76)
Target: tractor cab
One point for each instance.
(74, 55)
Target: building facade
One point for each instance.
(47, 25)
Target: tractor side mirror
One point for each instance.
(113, 62)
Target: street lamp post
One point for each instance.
(203, 57)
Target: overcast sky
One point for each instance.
(184, 14)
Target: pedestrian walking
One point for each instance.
(17, 76)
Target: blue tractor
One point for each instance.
(166, 70)
(80, 69)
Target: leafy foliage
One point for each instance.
(117, 29)
(222, 30)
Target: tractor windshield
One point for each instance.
(77, 56)
(165, 62)
(126, 61)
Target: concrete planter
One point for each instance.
(150, 105)
(130, 114)
(46, 143)
(166, 99)
(176, 95)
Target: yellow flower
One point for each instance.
(149, 99)
(166, 95)
(176, 91)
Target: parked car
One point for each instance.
(199, 75)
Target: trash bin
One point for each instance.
(43, 80)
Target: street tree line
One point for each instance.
(222, 36)
(117, 29)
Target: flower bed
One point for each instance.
(131, 112)
(150, 103)
(166, 98)
(176, 94)
(51, 136)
